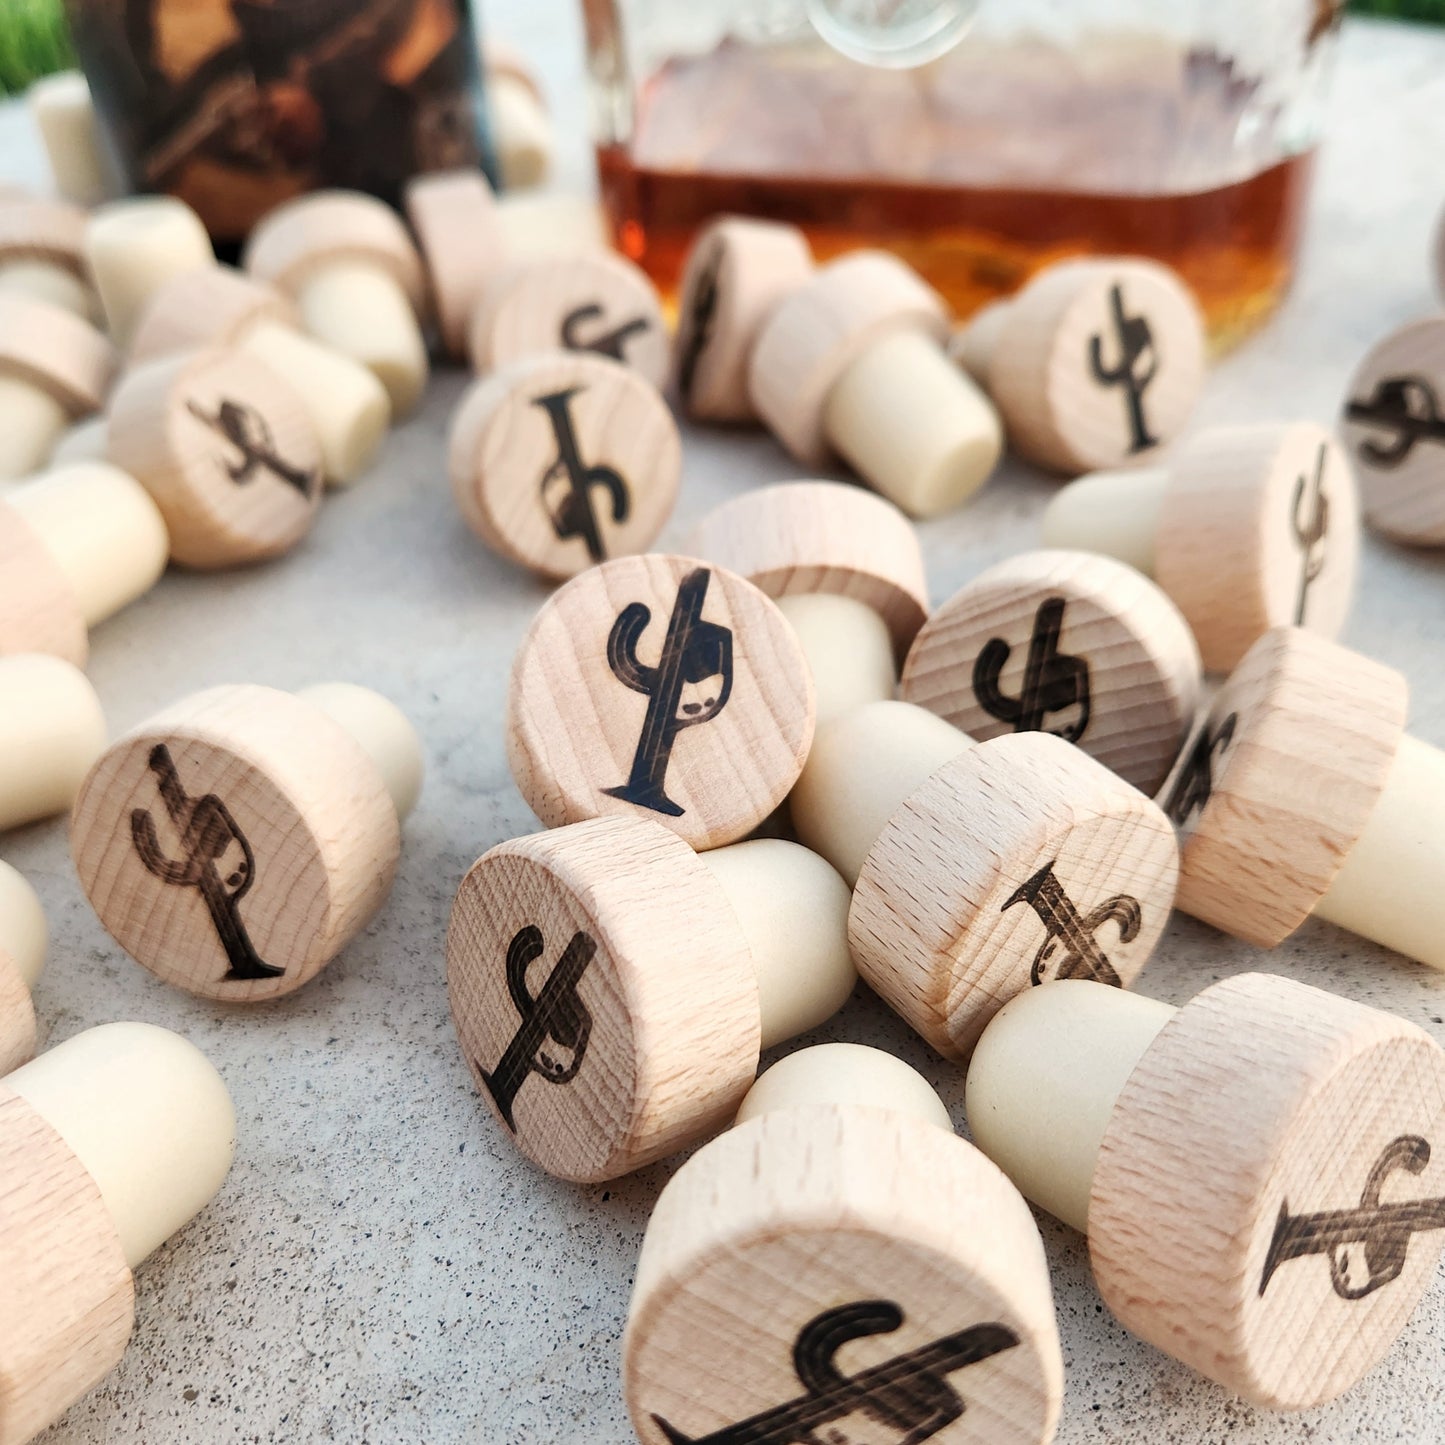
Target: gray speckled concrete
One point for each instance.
(380, 1266)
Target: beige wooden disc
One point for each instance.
(594, 1049)
(1070, 643)
(1019, 861)
(36, 229)
(841, 1240)
(1264, 1102)
(804, 537)
(1281, 782)
(736, 273)
(563, 460)
(39, 611)
(454, 215)
(1393, 425)
(227, 451)
(732, 720)
(593, 301)
(274, 842)
(811, 337)
(1061, 371)
(56, 350)
(67, 1302)
(17, 1016)
(207, 306)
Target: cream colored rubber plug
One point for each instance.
(23, 937)
(562, 964)
(237, 841)
(64, 114)
(42, 253)
(841, 1216)
(1245, 1213)
(110, 1143)
(51, 731)
(521, 126)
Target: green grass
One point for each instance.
(34, 41)
(1432, 11)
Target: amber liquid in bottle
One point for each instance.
(978, 169)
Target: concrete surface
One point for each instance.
(380, 1265)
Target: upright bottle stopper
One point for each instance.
(23, 937)
(521, 127)
(64, 114)
(236, 842)
(841, 1266)
(51, 731)
(42, 253)
(1255, 1171)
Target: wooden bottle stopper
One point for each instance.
(552, 223)
(76, 545)
(736, 273)
(54, 367)
(593, 301)
(1068, 643)
(64, 114)
(348, 262)
(841, 1266)
(132, 246)
(563, 460)
(562, 962)
(205, 306)
(521, 128)
(42, 253)
(1246, 528)
(23, 938)
(1096, 363)
(225, 448)
(1255, 1170)
(659, 687)
(845, 568)
(51, 731)
(1393, 426)
(109, 1144)
(238, 840)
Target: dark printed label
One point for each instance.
(1135, 340)
(1404, 405)
(1194, 784)
(571, 512)
(1310, 528)
(611, 342)
(698, 324)
(1052, 682)
(250, 433)
(1072, 935)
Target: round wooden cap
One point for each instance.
(1069, 643)
(225, 448)
(1260, 528)
(234, 843)
(454, 215)
(56, 350)
(660, 687)
(17, 1017)
(1099, 363)
(811, 337)
(563, 460)
(34, 229)
(736, 273)
(1280, 781)
(1267, 1202)
(595, 1051)
(841, 1272)
(39, 611)
(207, 306)
(807, 537)
(328, 226)
(1018, 861)
(1393, 424)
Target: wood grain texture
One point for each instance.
(310, 805)
(816, 1207)
(1121, 677)
(17, 1016)
(944, 926)
(67, 1303)
(670, 999)
(1290, 782)
(1261, 1099)
(574, 728)
(208, 306)
(510, 474)
(37, 228)
(39, 611)
(56, 350)
(797, 538)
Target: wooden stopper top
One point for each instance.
(1069, 643)
(1099, 363)
(562, 963)
(1267, 1201)
(234, 843)
(56, 350)
(563, 460)
(594, 301)
(810, 339)
(662, 687)
(208, 306)
(305, 234)
(454, 215)
(1393, 424)
(39, 608)
(736, 273)
(841, 1272)
(227, 451)
(1019, 860)
(34, 229)
(797, 538)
